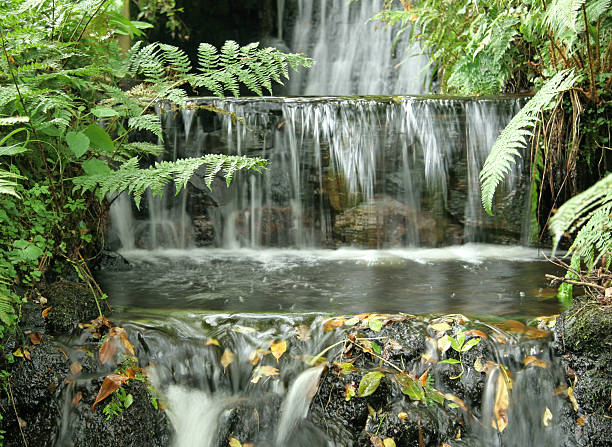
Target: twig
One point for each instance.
(573, 282)
(16, 415)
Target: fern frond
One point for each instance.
(176, 58)
(579, 209)
(8, 315)
(136, 181)
(8, 185)
(149, 122)
(562, 15)
(516, 134)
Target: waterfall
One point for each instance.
(354, 55)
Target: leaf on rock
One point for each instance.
(547, 417)
(46, 311)
(75, 368)
(349, 391)
(107, 351)
(389, 442)
(303, 332)
(444, 343)
(440, 327)
(227, 358)
(476, 333)
(375, 324)
(369, 383)
(35, 338)
(534, 361)
(233, 442)
(77, 398)
(411, 387)
(278, 349)
(112, 383)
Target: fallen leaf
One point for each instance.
(454, 399)
(111, 383)
(278, 349)
(233, 442)
(572, 398)
(402, 415)
(27, 354)
(244, 329)
(423, 378)
(130, 373)
(375, 325)
(213, 341)
(46, 311)
(351, 321)
(534, 361)
(75, 368)
(42, 300)
(500, 408)
(22, 423)
(478, 366)
(369, 383)
(349, 391)
(581, 421)
(18, 353)
(376, 441)
(440, 327)
(333, 323)
(107, 351)
(35, 338)
(77, 398)
(227, 358)
(411, 387)
(547, 417)
(476, 333)
(303, 332)
(389, 442)
(125, 341)
(444, 343)
(264, 371)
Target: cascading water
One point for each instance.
(366, 173)
(354, 55)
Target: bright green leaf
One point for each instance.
(78, 143)
(375, 325)
(94, 166)
(104, 112)
(99, 139)
(369, 383)
(450, 361)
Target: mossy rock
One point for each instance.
(71, 303)
(587, 330)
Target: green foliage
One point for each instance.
(460, 345)
(516, 135)
(70, 103)
(120, 401)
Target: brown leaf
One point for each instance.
(376, 441)
(77, 398)
(75, 368)
(112, 383)
(402, 415)
(534, 361)
(130, 373)
(500, 408)
(333, 323)
(107, 351)
(46, 311)
(423, 378)
(476, 333)
(278, 349)
(349, 391)
(27, 354)
(581, 421)
(227, 358)
(35, 338)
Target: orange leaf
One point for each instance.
(27, 354)
(126, 343)
(502, 399)
(76, 368)
(423, 378)
(112, 383)
(35, 338)
(476, 333)
(46, 311)
(77, 398)
(278, 349)
(130, 373)
(107, 351)
(533, 360)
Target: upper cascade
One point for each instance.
(355, 56)
(369, 173)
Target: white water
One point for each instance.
(354, 55)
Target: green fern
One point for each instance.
(516, 135)
(129, 177)
(590, 211)
(562, 15)
(8, 184)
(149, 122)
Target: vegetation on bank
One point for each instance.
(562, 49)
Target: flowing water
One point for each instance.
(369, 205)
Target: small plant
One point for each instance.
(460, 345)
(121, 400)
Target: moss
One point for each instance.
(71, 303)
(588, 330)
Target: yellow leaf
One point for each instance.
(402, 415)
(227, 358)
(502, 400)
(278, 349)
(18, 353)
(478, 366)
(389, 442)
(264, 371)
(233, 442)
(534, 361)
(349, 391)
(546, 417)
(572, 398)
(213, 341)
(440, 327)
(444, 343)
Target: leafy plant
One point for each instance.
(459, 345)
(120, 401)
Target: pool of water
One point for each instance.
(472, 279)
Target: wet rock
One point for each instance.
(253, 420)
(139, 425)
(111, 261)
(71, 303)
(203, 231)
(35, 389)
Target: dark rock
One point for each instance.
(111, 261)
(203, 231)
(36, 386)
(71, 303)
(139, 425)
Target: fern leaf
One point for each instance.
(562, 15)
(149, 122)
(515, 136)
(580, 208)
